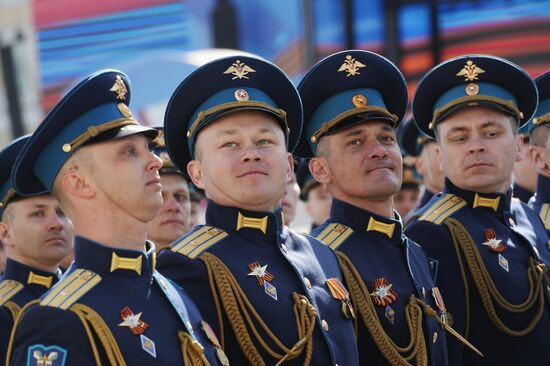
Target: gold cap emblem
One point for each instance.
(351, 66)
(359, 100)
(241, 95)
(470, 71)
(239, 70)
(119, 88)
(472, 89)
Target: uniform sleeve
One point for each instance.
(192, 276)
(50, 334)
(437, 243)
(6, 323)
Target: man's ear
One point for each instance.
(318, 166)
(5, 234)
(290, 167)
(194, 170)
(75, 183)
(537, 157)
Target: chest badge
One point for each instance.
(132, 321)
(264, 278)
(339, 292)
(492, 242)
(383, 295)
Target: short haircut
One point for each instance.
(539, 136)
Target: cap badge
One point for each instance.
(119, 88)
(359, 100)
(239, 70)
(351, 66)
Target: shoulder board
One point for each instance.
(544, 214)
(334, 235)
(70, 289)
(198, 241)
(8, 289)
(442, 208)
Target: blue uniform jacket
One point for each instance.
(493, 222)
(378, 249)
(19, 285)
(111, 308)
(244, 240)
(521, 193)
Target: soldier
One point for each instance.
(289, 201)
(112, 307)
(488, 249)
(540, 150)
(407, 199)
(416, 144)
(315, 195)
(273, 295)
(174, 217)
(353, 100)
(524, 174)
(37, 235)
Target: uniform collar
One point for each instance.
(543, 188)
(244, 222)
(114, 261)
(492, 202)
(365, 221)
(426, 197)
(522, 193)
(28, 275)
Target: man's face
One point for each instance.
(477, 149)
(318, 203)
(427, 165)
(36, 232)
(125, 173)
(290, 199)
(362, 163)
(539, 154)
(172, 220)
(406, 200)
(242, 161)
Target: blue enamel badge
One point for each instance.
(40, 355)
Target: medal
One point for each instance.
(211, 336)
(382, 292)
(339, 292)
(132, 321)
(492, 242)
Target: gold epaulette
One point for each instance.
(8, 289)
(545, 215)
(442, 208)
(334, 235)
(71, 288)
(197, 242)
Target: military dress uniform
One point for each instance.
(488, 249)
(541, 200)
(388, 275)
(112, 307)
(19, 284)
(262, 286)
(520, 192)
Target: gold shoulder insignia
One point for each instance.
(545, 215)
(197, 242)
(8, 289)
(71, 288)
(334, 235)
(443, 208)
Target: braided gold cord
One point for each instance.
(489, 294)
(361, 300)
(243, 317)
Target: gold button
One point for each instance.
(284, 248)
(511, 221)
(67, 147)
(189, 326)
(324, 324)
(434, 337)
(307, 282)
